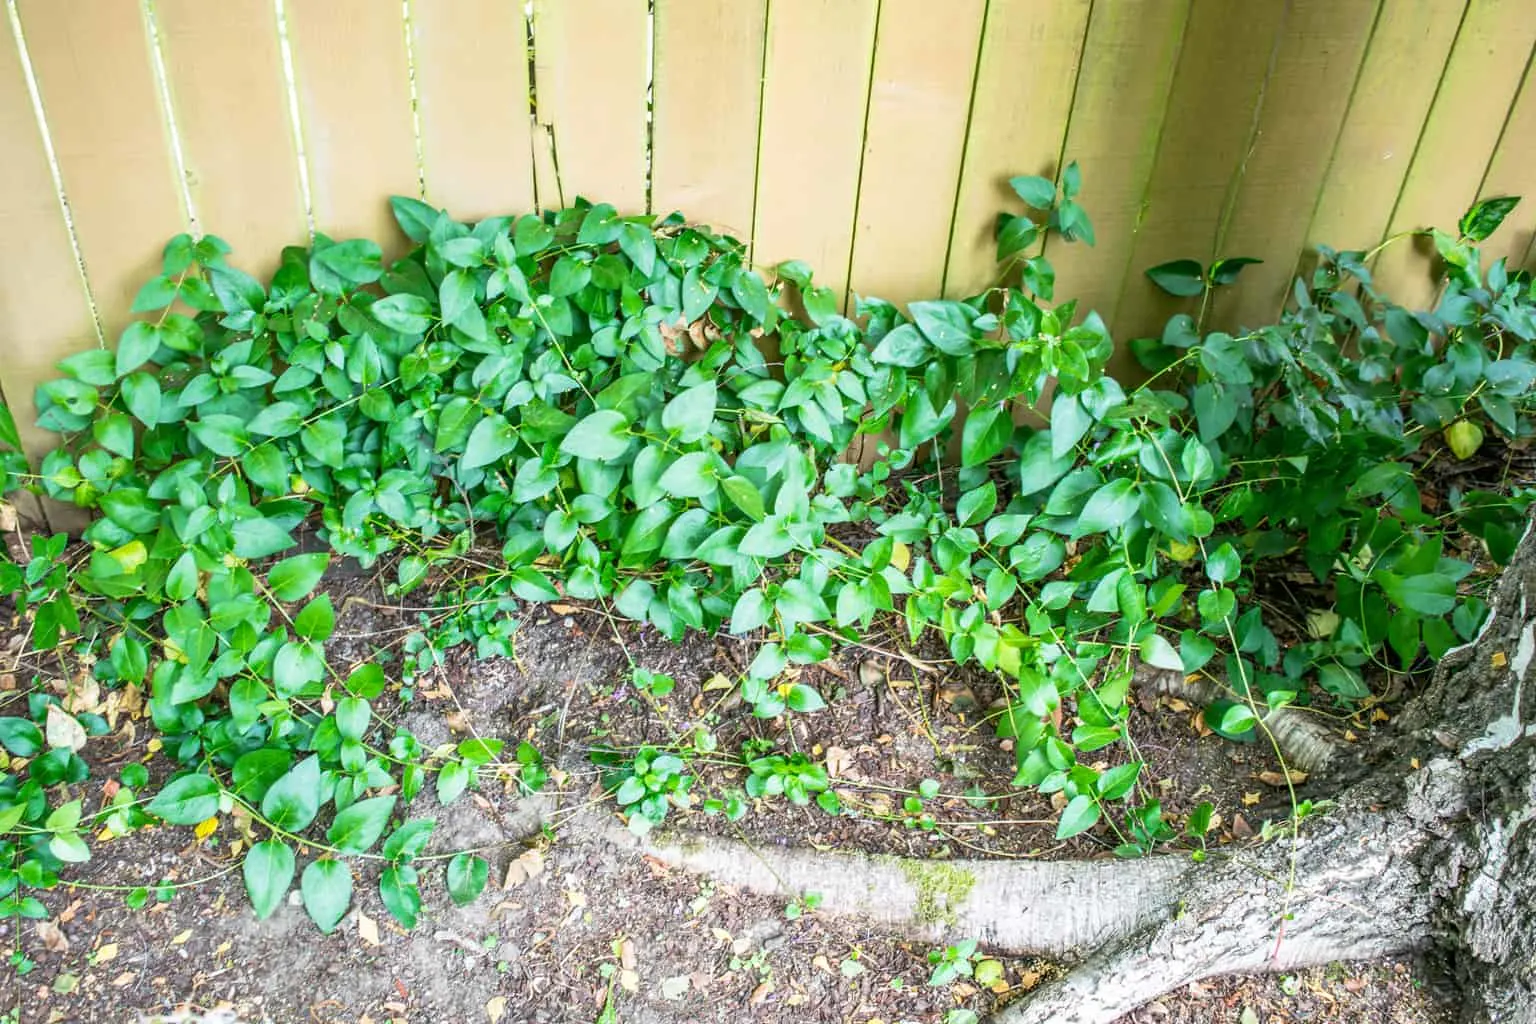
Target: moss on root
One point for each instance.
(941, 889)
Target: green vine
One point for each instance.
(629, 410)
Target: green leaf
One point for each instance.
(1223, 565)
(327, 891)
(346, 264)
(1036, 191)
(802, 697)
(454, 423)
(187, 800)
(136, 346)
(1184, 278)
(457, 297)
(451, 780)
(221, 434)
(316, 620)
(115, 434)
(689, 414)
(945, 323)
(1118, 781)
(1159, 653)
(492, 438)
(357, 828)
(268, 870)
(292, 802)
(902, 346)
(21, 737)
(466, 877)
(602, 435)
(1230, 719)
(691, 476)
(986, 433)
(744, 495)
(1426, 593)
(400, 894)
(406, 313)
(414, 217)
(1485, 216)
(408, 840)
(1112, 505)
(295, 577)
(1080, 814)
(280, 419)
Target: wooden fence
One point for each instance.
(873, 138)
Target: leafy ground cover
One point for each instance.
(929, 650)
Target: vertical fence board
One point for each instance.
(43, 309)
(913, 144)
(354, 94)
(471, 62)
(93, 69)
(814, 101)
(1216, 91)
(1512, 172)
(709, 61)
(224, 72)
(1025, 79)
(1397, 84)
(591, 81)
(1117, 118)
(1463, 128)
(1308, 93)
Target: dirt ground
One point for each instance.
(576, 929)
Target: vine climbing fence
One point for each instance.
(873, 138)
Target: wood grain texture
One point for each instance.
(354, 92)
(591, 80)
(709, 60)
(224, 74)
(1315, 68)
(1481, 80)
(94, 72)
(1216, 94)
(1396, 86)
(471, 61)
(1025, 81)
(913, 145)
(1512, 172)
(1116, 121)
(44, 313)
(818, 64)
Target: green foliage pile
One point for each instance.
(630, 411)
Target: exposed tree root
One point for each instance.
(1305, 740)
(1059, 908)
(1433, 850)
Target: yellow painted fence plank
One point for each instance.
(1480, 83)
(814, 102)
(1024, 84)
(354, 95)
(708, 88)
(591, 80)
(471, 62)
(1116, 121)
(94, 72)
(224, 73)
(913, 145)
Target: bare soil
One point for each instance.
(583, 931)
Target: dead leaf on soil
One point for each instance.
(62, 731)
(838, 761)
(496, 1008)
(182, 937)
(760, 993)
(528, 864)
(1240, 827)
(1296, 777)
(629, 981)
(106, 953)
(52, 937)
(1249, 799)
(368, 929)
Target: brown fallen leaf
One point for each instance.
(62, 731)
(627, 954)
(1296, 777)
(1240, 827)
(368, 929)
(52, 937)
(496, 1008)
(760, 993)
(838, 761)
(1249, 799)
(106, 952)
(528, 864)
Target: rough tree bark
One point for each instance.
(1429, 847)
